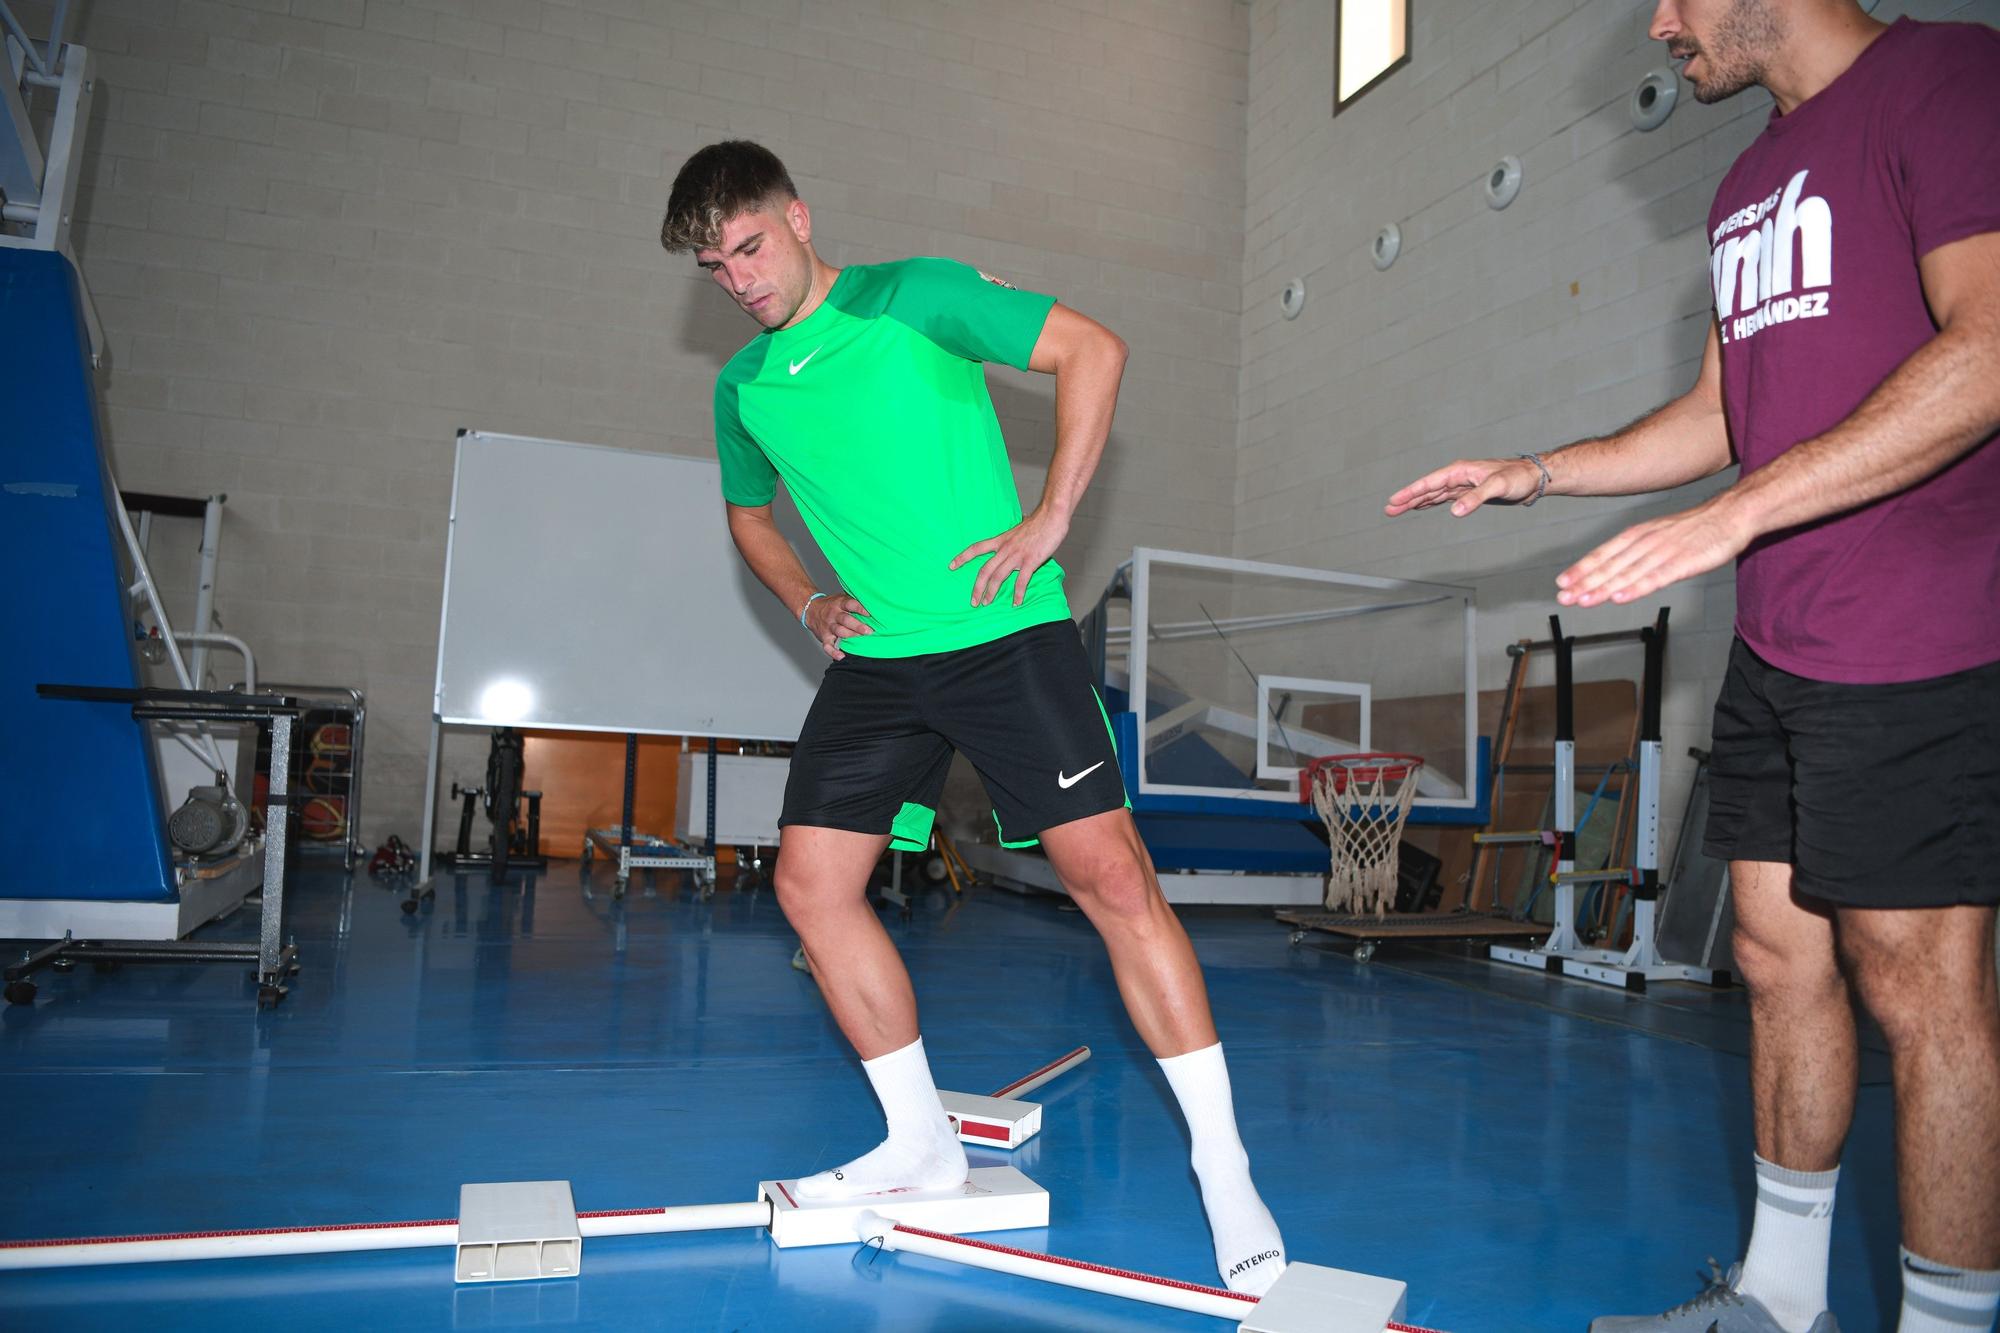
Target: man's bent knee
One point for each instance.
(1118, 887)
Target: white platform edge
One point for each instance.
(992, 1122)
(517, 1231)
(994, 1198)
(1308, 1298)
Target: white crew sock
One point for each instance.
(921, 1152)
(1938, 1298)
(1249, 1253)
(1790, 1236)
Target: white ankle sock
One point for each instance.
(921, 1152)
(1790, 1236)
(1938, 1298)
(1249, 1253)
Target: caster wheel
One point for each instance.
(1298, 938)
(1363, 952)
(934, 870)
(63, 965)
(409, 907)
(20, 992)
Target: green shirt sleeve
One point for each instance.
(968, 313)
(748, 479)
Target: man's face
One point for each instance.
(763, 262)
(1727, 44)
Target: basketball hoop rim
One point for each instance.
(1369, 766)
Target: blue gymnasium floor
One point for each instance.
(1525, 1153)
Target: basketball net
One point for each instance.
(1364, 799)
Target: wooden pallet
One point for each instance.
(1368, 931)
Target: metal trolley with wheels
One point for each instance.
(274, 957)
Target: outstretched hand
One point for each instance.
(1648, 556)
(1022, 549)
(1468, 484)
(832, 619)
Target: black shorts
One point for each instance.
(1875, 795)
(877, 743)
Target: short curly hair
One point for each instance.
(718, 183)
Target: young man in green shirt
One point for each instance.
(866, 393)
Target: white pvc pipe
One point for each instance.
(271, 1241)
(1021, 1087)
(1215, 1301)
(224, 1244)
(690, 1217)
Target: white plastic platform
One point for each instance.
(994, 1198)
(1308, 1298)
(517, 1231)
(991, 1121)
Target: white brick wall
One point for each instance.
(1578, 308)
(325, 234)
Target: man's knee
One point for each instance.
(1783, 945)
(1116, 883)
(1780, 963)
(1917, 970)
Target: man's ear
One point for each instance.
(800, 218)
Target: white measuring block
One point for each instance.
(516, 1231)
(994, 1198)
(1307, 1298)
(993, 1122)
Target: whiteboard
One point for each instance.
(596, 589)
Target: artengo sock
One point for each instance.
(1249, 1252)
(921, 1152)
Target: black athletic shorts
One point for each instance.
(878, 740)
(1875, 795)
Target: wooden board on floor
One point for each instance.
(1450, 926)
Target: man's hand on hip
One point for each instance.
(1468, 484)
(832, 619)
(1022, 550)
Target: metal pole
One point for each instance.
(708, 847)
(204, 593)
(631, 786)
(430, 804)
(277, 820)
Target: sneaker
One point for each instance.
(1720, 1308)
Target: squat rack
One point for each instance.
(1563, 952)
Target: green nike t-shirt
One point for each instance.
(874, 410)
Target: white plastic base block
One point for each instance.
(995, 1198)
(991, 1121)
(517, 1231)
(1310, 1299)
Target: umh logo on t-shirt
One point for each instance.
(1781, 244)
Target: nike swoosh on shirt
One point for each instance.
(797, 366)
(1066, 782)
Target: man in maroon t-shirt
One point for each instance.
(1853, 372)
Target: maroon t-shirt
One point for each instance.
(1814, 240)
